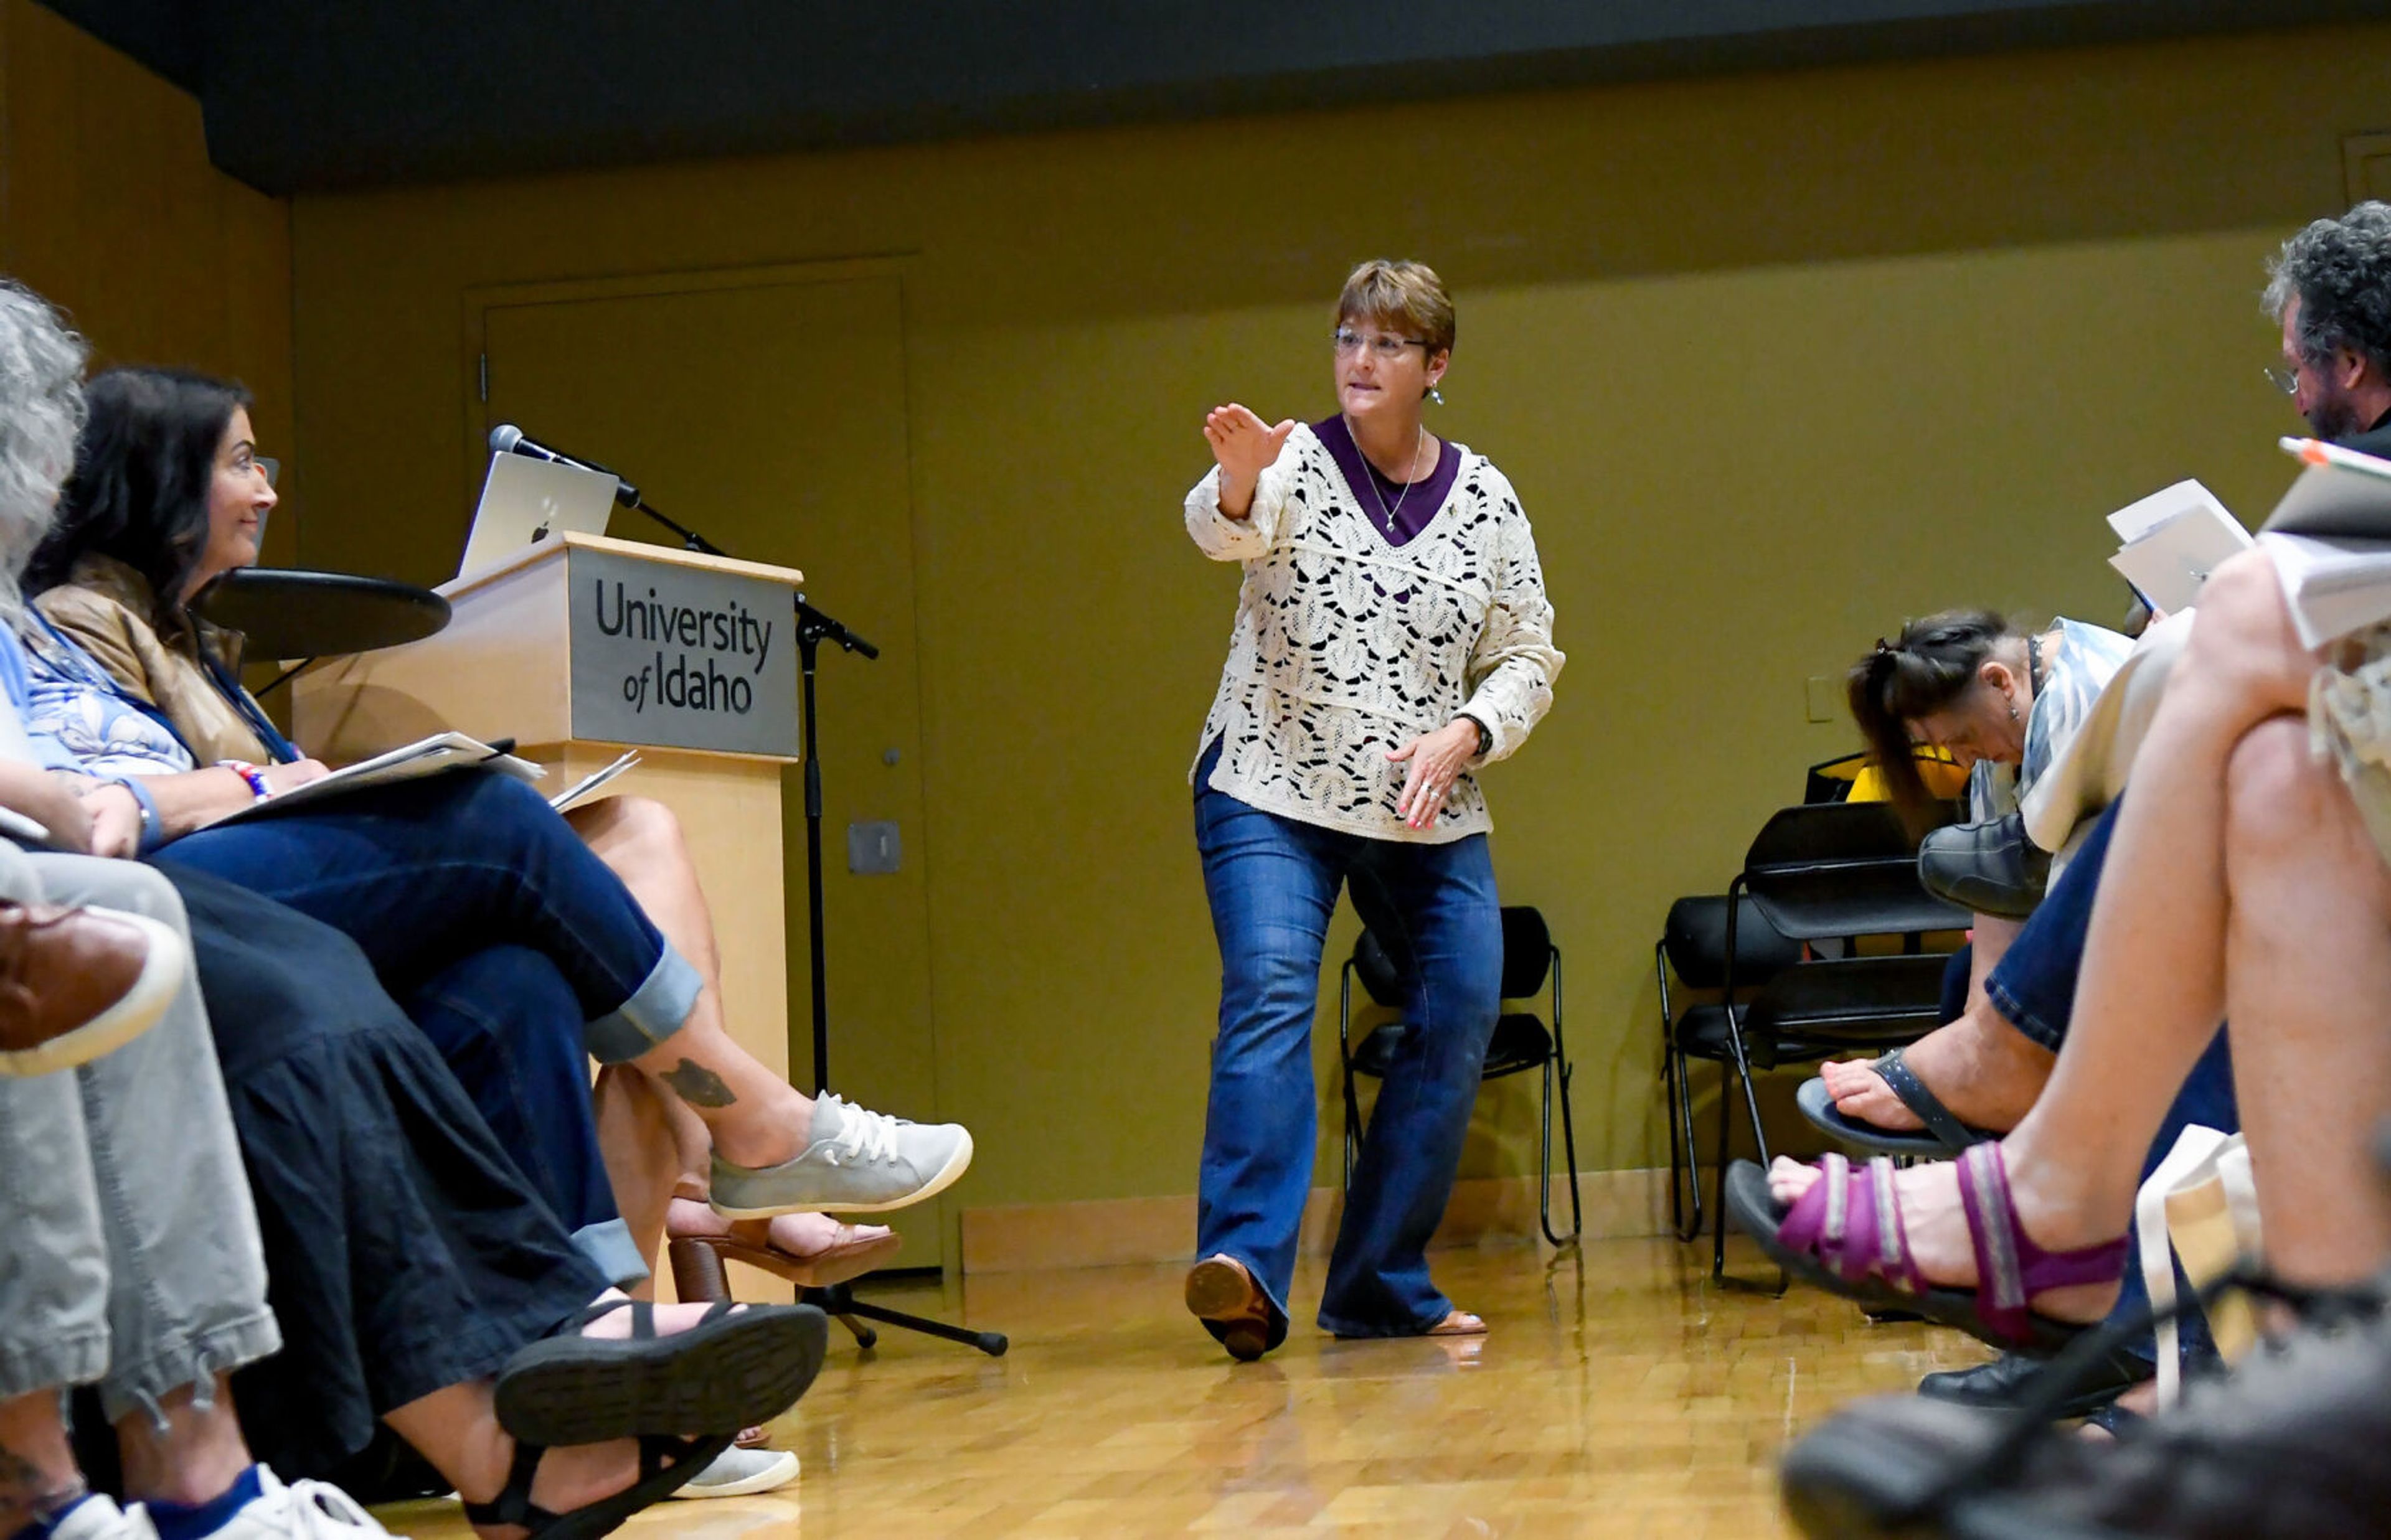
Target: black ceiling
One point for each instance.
(317, 95)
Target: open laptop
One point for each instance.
(526, 500)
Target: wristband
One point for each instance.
(250, 774)
(152, 830)
(1485, 734)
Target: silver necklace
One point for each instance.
(1376, 495)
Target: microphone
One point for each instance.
(507, 439)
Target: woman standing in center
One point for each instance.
(1391, 638)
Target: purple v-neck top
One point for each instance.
(1411, 506)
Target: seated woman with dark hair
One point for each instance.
(168, 493)
(417, 1282)
(2005, 703)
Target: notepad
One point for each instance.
(2330, 540)
(435, 755)
(593, 780)
(2173, 540)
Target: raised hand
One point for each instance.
(1245, 448)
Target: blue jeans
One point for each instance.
(424, 874)
(510, 1027)
(2034, 988)
(2033, 985)
(1273, 883)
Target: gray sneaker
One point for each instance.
(859, 1162)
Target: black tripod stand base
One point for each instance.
(840, 1302)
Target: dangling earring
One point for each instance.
(1436, 395)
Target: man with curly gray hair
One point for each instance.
(41, 376)
(136, 1262)
(2330, 289)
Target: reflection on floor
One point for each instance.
(1624, 1395)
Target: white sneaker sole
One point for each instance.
(957, 1163)
(153, 990)
(773, 1476)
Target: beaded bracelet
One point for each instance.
(249, 774)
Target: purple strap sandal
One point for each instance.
(1845, 1236)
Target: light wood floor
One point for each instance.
(1622, 1395)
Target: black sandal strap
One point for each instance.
(1903, 1082)
(662, 1456)
(514, 1505)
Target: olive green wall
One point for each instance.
(110, 209)
(1774, 361)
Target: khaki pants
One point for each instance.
(131, 1257)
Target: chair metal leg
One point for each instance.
(1544, 1162)
(1760, 1142)
(1685, 1213)
(1345, 1062)
(1718, 1197)
(1685, 1149)
(1557, 1068)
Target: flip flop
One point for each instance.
(1943, 1134)
(738, 1365)
(1845, 1236)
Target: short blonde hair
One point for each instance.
(1405, 294)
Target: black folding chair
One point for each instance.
(1826, 872)
(1530, 963)
(1693, 948)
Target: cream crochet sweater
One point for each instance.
(1346, 647)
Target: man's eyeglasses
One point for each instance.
(1386, 349)
(245, 462)
(2284, 380)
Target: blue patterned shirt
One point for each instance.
(2073, 678)
(75, 703)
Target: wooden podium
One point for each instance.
(579, 647)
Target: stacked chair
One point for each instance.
(1839, 966)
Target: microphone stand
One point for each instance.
(813, 629)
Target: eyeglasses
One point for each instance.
(245, 462)
(1386, 349)
(2284, 380)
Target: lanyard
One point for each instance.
(282, 749)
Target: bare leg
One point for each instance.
(692, 1144)
(2152, 989)
(38, 1475)
(756, 1118)
(638, 1136)
(2310, 1057)
(194, 1459)
(1986, 1071)
(1990, 938)
(456, 1428)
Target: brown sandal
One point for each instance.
(850, 1256)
